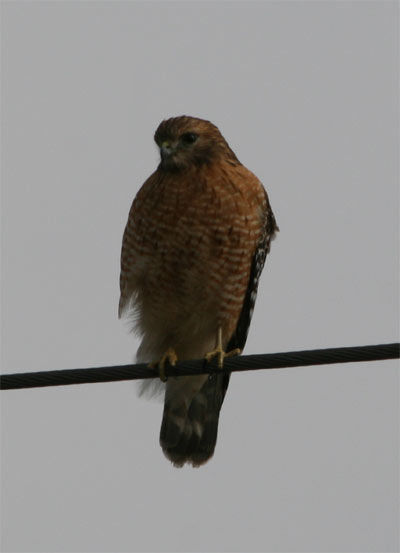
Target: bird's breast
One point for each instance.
(191, 247)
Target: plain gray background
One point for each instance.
(306, 95)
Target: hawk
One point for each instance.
(193, 249)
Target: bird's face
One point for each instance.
(187, 142)
(178, 151)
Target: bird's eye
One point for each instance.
(189, 137)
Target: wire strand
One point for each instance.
(200, 366)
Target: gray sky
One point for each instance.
(306, 95)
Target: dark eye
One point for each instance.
(189, 137)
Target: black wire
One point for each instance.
(199, 366)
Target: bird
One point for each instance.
(194, 246)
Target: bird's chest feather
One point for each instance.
(187, 230)
(192, 244)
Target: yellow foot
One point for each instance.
(219, 351)
(171, 357)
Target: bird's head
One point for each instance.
(186, 141)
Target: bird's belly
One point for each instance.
(187, 287)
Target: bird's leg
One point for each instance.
(171, 357)
(219, 351)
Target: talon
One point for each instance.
(219, 351)
(171, 357)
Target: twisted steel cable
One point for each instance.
(199, 366)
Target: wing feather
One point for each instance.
(239, 337)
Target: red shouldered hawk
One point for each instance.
(193, 250)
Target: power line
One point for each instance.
(199, 366)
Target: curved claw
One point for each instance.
(171, 357)
(219, 351)
(221, 354)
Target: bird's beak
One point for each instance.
(166, 150)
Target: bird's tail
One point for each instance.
(190, 420)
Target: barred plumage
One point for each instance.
(193, 250)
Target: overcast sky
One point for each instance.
(306, 95)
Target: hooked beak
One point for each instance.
(166, 149)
